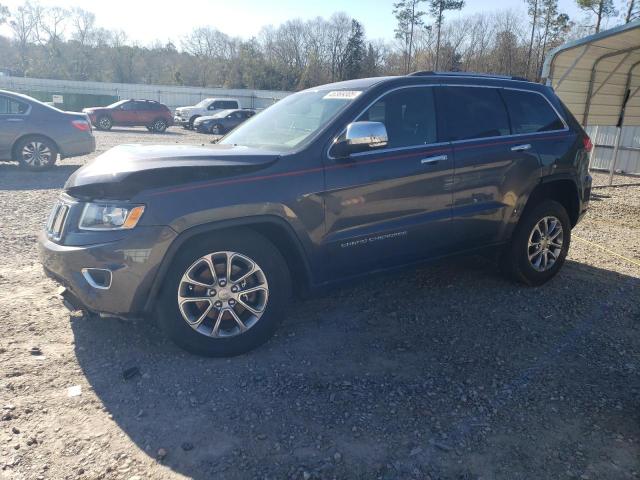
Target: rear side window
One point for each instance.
(10, 106)
(472, 112)
(408, 115)
(225, 104)
(530, 112)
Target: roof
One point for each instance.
(598, 76)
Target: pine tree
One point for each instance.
(355, 52)
(437, 9)
(601, 8)
(409, 18)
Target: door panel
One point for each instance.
(490, 177)
(493, 168)
(391, 206)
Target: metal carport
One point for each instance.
(598, 78)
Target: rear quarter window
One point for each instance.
(530, 112)
(472, 112)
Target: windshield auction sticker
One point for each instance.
(342, 94)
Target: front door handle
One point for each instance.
(521, 148)
(433, 160)
(15, 120)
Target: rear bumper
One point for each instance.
(132, 261)
(80, 146)
(586, 196)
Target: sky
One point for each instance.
(145, 21)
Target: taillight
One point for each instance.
(586, 141)
(81, 125)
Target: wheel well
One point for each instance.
(14, 153)
(277, 234)
(193, 117)
(564, 192)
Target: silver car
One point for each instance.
(34, 134)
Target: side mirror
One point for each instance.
(360, 137)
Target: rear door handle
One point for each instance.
(15, 119)
(521, 148)
(433, 160)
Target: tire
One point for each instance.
(36, 152)
(217, 129)
(191, 120)
(104, 123)
(159, 125)
(198, 337)
(149, 128)
(554, 245)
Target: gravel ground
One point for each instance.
(446, 372)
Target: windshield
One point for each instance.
(287, 124)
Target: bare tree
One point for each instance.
(24, 23)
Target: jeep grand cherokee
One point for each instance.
(328, 184)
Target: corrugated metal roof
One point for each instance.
(596, 76)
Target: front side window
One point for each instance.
(472, 112)
(530, 112)
(9, 106)
(287, 124)
(129, 106)
(408, 115)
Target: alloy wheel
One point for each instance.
(545, 243)
(223, 294)
(36, 154)
(159, 126)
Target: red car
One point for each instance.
(149, 113)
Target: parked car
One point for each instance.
(327, 185)
(34, 134)
(185, 116)
(148, 113)
(223, 121)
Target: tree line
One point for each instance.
(53, 42)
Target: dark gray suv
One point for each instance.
(33, 134)
(329, 184)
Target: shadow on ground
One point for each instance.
(448, 371)
(14, 177)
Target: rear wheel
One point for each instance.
(540, 244)
(104, 123)
(225, 295)
(36, 153)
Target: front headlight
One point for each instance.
(104, 216)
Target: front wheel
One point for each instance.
(36, 153)
(225, 295)
(540, 244)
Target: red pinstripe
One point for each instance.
(234, 181)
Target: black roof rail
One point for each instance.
(427, 73)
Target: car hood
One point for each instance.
(126, 170)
